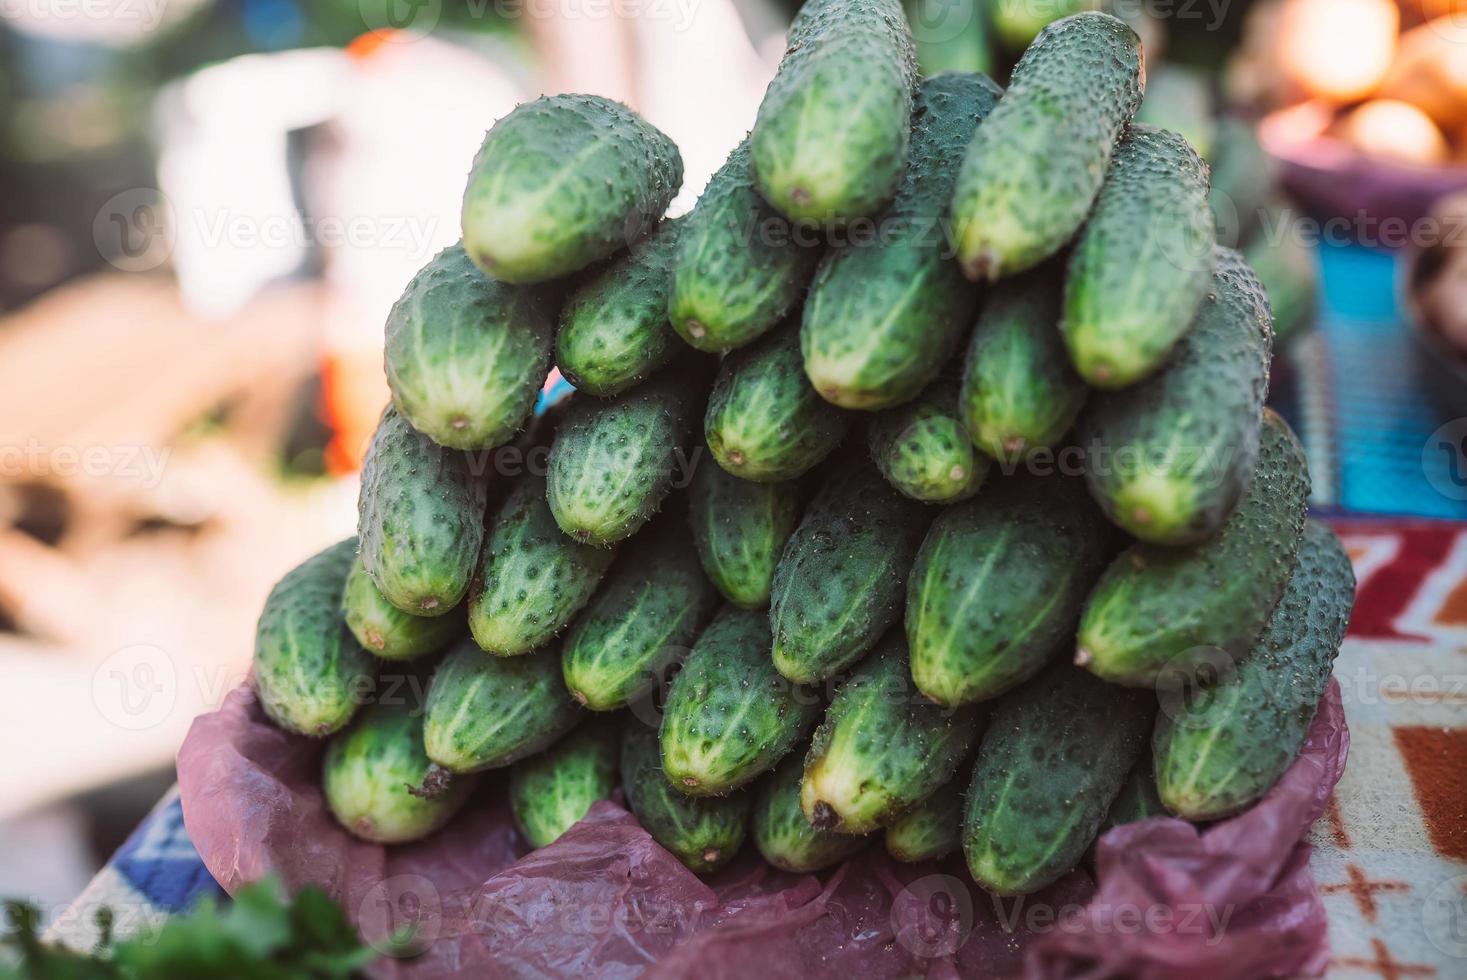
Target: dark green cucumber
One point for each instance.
(998, 585)
(730, 716)
(420, 518)
(466, 355)
(551, 791)
(931, 830)
(1290, 278)
(784, 837)
(951, 35)
(882, 748)
(370, 770)
(842, 578)
(1138, 799)
(1180, 99)
(924, 450)
(1055, 757)
(1020, 393)
(1244, 178)
(1016, 23)
(741, 267)
(830, 139)
(1221, 753)
(884, 316)
(1160, 608)
(1143, 262)
(704, 833)
(1068, 100)
(1169, 457)
(309, 672)
(532, 578)
(740, 528)
(764, 421)
(563, 181)
(641, 622)
(614, 331)
(386, 630)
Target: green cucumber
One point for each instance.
(882, 748)
(1143, 262)
(1222, 752)
(1138, 799)
(924, 450)
(951, 35)
(1168, 458)
(884, 316)
(830, 139)
(1287, 269)
(998, 585)
(309, 672)
(764, 421)
(739, 529)
(386, 630)
(1244, 178)
(562, 182)
(1180, 99)
(729, 715)
(1070, 96)
(704, 833)
(1160, 608)
(784, 837)
(1016, 23)
(931, 830)
(1055, 756)
(842, 578)
(420, 518)
(550, 792)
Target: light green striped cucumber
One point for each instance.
(1055, 756)
(532, 578)
(1143, 262)
(309, 672)
(924, 450)
(1020, 393)
(1159, 608)
(741, 267)
(997, 587)
(764, 421)
(704, 833)
(1180, 99)
(550, 792)
(730, 716)
(882, 748)
(931, 830)
(1169, 457)
(1068, 100)
(784, 837)
(951, 35)
(562, 182)
(420, 518)
(614, 331)
(641, 622)
(884, 316)
(466, 355)
(739, 529)
(1220, 753)
(369, 772)
(1138, 799)
(386, 630)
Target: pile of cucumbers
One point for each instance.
(918, 490)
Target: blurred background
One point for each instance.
(210, 205)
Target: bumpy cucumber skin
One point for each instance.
(1067, 102)
(1016, 23)
(369, 770)
(784, 837)
(309, 671)
(386, 630)
(641, 622)
(998, 585)
(1160, 608)
(1143, 262)
(1168, 458)
(614, 331)
(613, 462)
(1221, 755)
(420, 518)
(764, 422)
(882, 748)
(831, 136)
(739, 529)
(532, 579)
(730, 716)
(950, 35)
(1180, 99)
(1055, 756)
(704, 833)
(924, 449)
(1138, 799)
(884, 316)
(931, 830)
(740, 267)
(563, 181)
(486, 712)
(466, 355)
(842, 578)
(550, 792)
(1020, 393)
